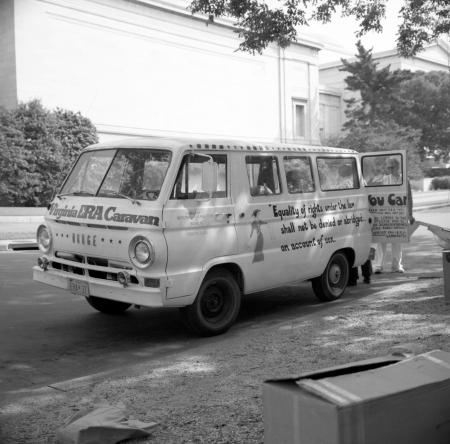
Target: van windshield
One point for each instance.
(122, 173)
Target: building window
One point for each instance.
(299, 112)
(329, 115)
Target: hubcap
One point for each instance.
(334, 274)
(213, 302)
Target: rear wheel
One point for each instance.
(216, 306)
(107, 306)
(332, 283)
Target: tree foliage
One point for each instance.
(37, 146)
(374, 110)
(375, 87)
(418, 102)
(382, 135)
(260, 22)
(424, 103)
(422, 22)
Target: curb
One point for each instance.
(18, 244)
(21, 219)
(431, 206)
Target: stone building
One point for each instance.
(149, 67)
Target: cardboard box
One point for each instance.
(385, 400)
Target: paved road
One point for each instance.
(48, 335)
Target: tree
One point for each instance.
(37, 146)
(372, 113)
(424, 103)
(260, 24)
(375, 88)
(423, 22)
(412, 100)
(384, 136)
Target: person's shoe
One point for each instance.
(398, 270)
(352, 283)
(366, 281)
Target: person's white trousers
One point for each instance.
(380, 261)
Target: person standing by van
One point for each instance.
(393, 176)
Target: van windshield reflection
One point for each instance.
(123, 173)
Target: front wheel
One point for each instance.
(333, 281)
(107, 306)
(216, 306)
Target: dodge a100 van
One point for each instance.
(197, 224)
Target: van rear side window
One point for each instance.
(337, 173)
(382, 170)
(299, 176)
(263, 175)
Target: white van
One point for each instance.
(197, 224)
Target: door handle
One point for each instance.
(227, 215)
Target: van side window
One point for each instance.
(382, 170)
(299, 176)
(188, 184)
(337, 173)
(263, 175)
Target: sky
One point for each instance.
(338, 36)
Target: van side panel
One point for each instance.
(287, 237)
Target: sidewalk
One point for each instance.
(18, 225)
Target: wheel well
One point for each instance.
(350, 253)
(235, 270)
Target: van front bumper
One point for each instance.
(132, 294)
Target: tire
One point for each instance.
(332, 283)
(108, 306)
(216, 306)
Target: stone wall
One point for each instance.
(8, 93)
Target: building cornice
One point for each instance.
(179, 7)
(394, 53)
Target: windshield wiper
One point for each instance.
(116, 194)
(75, 193)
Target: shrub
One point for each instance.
(441, 183)
(37, 146)
(436, 172)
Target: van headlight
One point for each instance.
(141, 252)
(44, 238)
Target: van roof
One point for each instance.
(214, 144)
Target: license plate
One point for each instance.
(79, 288)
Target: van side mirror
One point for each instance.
(210, 172)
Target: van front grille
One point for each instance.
(95, 267)
(67, 268)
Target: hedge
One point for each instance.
(441, 183)
(436, 172)
(37, 147)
